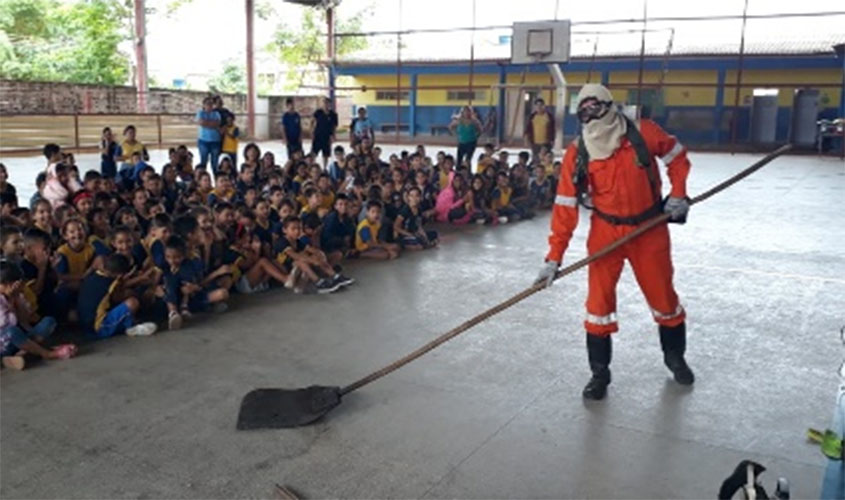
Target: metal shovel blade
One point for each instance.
(283, 408)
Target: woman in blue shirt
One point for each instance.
(209, 141)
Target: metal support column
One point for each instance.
(412, 119)
(720, 104)
(141, 55)
(840, 52)
(738, 88)
(250, 68)
(330, 49)
(642, 61)
(500, 107)
(560, 101)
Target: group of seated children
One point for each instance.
(123, 254)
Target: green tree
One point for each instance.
(304, 45)
(231, 80)
(63, 41)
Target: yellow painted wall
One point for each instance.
(437, 97)
(674, 96)
(368, 97)
(829, 96)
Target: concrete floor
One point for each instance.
(496, 413)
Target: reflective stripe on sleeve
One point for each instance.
(674, 152)
(566, 201)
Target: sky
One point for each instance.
(199, 37)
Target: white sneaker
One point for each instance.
(503, 220)
(142, 330)
(294, 275)
(174, 321)
(480, 222)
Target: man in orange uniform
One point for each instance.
(612, 169)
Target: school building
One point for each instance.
(693, 96)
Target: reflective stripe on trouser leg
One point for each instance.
(601, 295)
(651, 260)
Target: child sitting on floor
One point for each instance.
(76, 258)
(184, 292)
(17, 334)
(302, 262)
(101, 312)
(255, 270)
(541, 189)
(366, 235)
(409, 224)
(337, 239)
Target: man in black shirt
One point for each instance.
(323, 126)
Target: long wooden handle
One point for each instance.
(466, 325)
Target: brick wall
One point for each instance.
(47, 98)
(70, 98)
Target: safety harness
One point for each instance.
(580, 179)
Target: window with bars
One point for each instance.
(465, 95)
(390, 95)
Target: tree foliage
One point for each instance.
(64, 41)
(304, 45)
(230, 80)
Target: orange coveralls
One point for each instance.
(620, 187)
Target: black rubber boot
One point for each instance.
(599, 353)
(673, 340)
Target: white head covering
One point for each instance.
(602, 136)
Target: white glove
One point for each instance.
(678, 208)
(546, 276)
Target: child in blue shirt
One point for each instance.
(101, 312)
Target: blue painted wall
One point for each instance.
(427, 116)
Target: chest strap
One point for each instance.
(581, 179)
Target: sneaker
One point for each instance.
(142, 330)
(342, 280)
(294, 275)
(503, 220)
(174, 321)
(219, 307)
(480, 221)
(14, 362)
(326, 285)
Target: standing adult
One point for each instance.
(291, 128)
(540, 130)
(468, 128)
(323, 126)
(108, 151)
(223, 110)
(614, 163)
(361, 128)
(209, 140)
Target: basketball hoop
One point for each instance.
(540, 42)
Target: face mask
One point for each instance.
(592, 111)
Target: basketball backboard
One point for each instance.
(540, 42)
